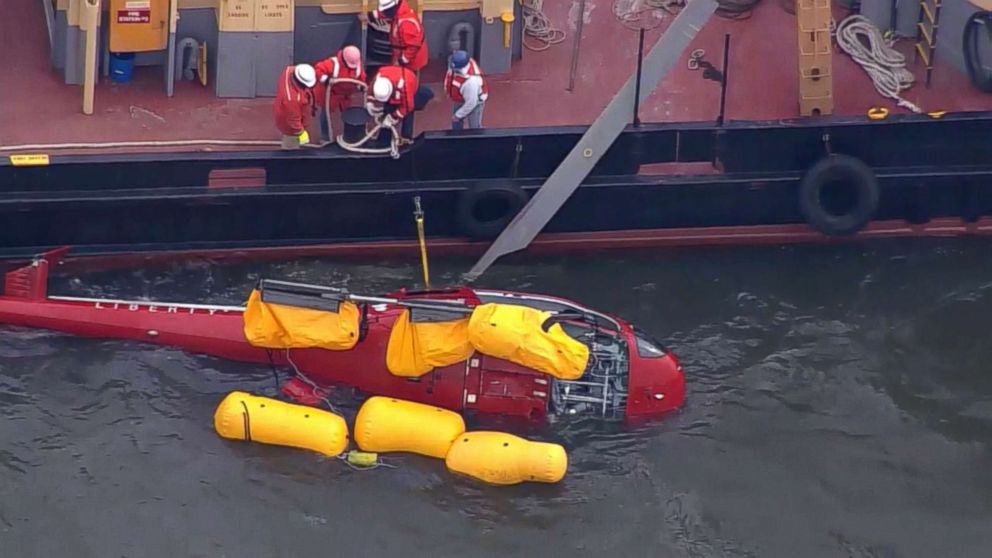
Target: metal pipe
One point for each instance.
(365, 28)
(91, 17)
(575, 46)
(637, 88)
(170, 66)
(723, 79)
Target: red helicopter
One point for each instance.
(626, 375)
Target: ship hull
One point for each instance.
(672, 184)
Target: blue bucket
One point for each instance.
(121, 66)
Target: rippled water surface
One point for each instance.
(840, 404)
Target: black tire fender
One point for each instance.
(980, 77)
(478, 197)
(831, 171)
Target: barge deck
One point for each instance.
(683, 178)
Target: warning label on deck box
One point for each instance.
(134, 16)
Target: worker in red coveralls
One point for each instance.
(406, 32)
(294, 104)
(347, 63)
(466, 86)
(396, 93)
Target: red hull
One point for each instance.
(481, 384)
(751, 235)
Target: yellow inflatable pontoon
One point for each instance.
(385, 424)
(501, 458)
(242, 416)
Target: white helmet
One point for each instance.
(386, 4)
(382, 88)
(305, 74)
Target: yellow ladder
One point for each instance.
(926, 33)
(816, 90)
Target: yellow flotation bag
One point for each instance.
(416, 348)
(501, 458)
(241, 416)
(278, 326)
(514, 333)
(384, 424)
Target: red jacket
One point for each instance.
(334, 67)
(406, 35)
(293, 106)
(405, 84)
(453, 81)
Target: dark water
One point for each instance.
(840, 404)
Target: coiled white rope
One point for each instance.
(635, 14)
(394, 144)
(538, 26)
(885, 65)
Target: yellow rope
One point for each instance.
(418, 215)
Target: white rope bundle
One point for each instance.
(394, 144)
(647, 14)
(885, 65)
(538, 26)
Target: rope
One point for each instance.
(885, 65)
(394, 144)
(313, 385)
(331, 82)
(538, 26)
(635, 14)
(344, 457)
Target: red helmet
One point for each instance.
(352, 56)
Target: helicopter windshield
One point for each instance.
(647, 347)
